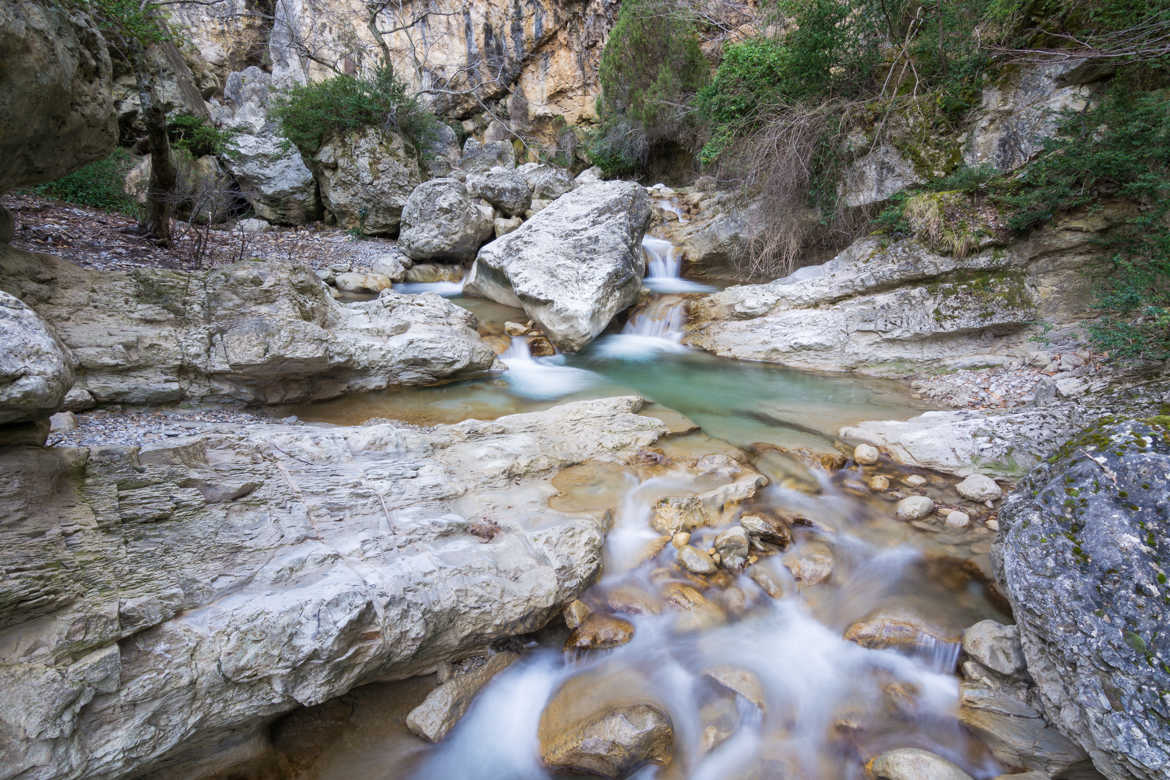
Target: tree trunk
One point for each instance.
(160, 195)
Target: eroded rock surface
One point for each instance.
(166, 601)
(574, 265)
(257, 332)
(36, 369)
(365, 179)
(1083, 555)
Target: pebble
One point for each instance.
(879, 483)
(695, 560)
(575, 613)
(958, 519)
(866, 454)
(915, 507)
(915, 480)
(992, 524)
(978, 487)
(681, 540)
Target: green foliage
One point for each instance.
(1117, 150)
(198, 137)
(650, 69)
(98, 185)
(126, 20)
(310, 114)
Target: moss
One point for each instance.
(983, 294)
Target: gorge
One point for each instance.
(494, 404)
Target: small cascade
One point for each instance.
(445, 289)
(664, 264)
(655, 329)
(542, 378)
(670, 207)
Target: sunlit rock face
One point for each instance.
(165, 601)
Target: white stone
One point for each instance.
(915, 507)
(979, 487)
(866, 454)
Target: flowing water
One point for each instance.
(752, 667)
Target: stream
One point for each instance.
(753, 668)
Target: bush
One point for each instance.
(310, 114)
(198, 137)
(650, 69)
(1117, 150)
(98, 185)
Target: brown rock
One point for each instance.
(575, 612)
(598, 631)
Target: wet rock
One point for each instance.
(446, 704)
(732, 546)
(255, 332)
(674, 514)
(434, 272)
(978, 487)
(767, 531)
(272, 176)
(812, 564)
(915, 507)
(1014, 731)
(575, 613)
(683, 596)
(282, 597)
(915, 480)
(695, 560)
(504, 188)
(632, 600)
(607, 727)
(36, 368)
(600, 632)
(680, 540)
(1082, 553)
(866, 454)
(365, 178)
(742, 681)
(893, 629)
(913, 764)
(996, 646)
(879, 483)
(56, 104)
(574, 265)
(958, 520)
(442, 221)
(768, 580)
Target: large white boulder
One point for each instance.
(442, 221)
(365, 179)
(572, 266)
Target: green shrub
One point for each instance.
(310, 114)
(98, 185)
(650, 69)
(1116, 150)
(198, 137)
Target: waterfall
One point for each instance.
(542, 378)
(445, 289)
(664, 264)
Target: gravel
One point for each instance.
(116, 426)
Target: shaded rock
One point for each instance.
(978, 487)
(440, 151)
(732, 546)
(504, 188)
(876, 176)
(56, 105)
(502, 226)
(441, 221)
(272, 177)
(996, 646)
(763, 529)
(7, 225)
(913, 764)
(365, 178)
(257, 332)
(286, 596)
(446, 704)
(574, 265)
(479, 157)
(915, 507)
(1083, 552)
(36, 369)
(575, 613)
(1015, 732)
(695, 560)
(357, 282)
(599, 632)
(203, 193)
(547, 182)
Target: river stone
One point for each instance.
(763, 530)
(1083, 550)
(441, 221)
(894, 629)
(866, 454)
(732, 546)
(978, 487)
(915, 507)
(600, 632)
(56, 104)
(996, 646)
(675, 514)
(504, 188)
(365, 178)
(742, 681)
(913, 764)
(607, 727)
(574, 265)
(445, 705)
(253, 332)
(575, 613)
(879, 483)
(272, 176)
(229, 576)
(957, 520)
(1015, 732)
(695, 560)
(36, 369)
(811, 564)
